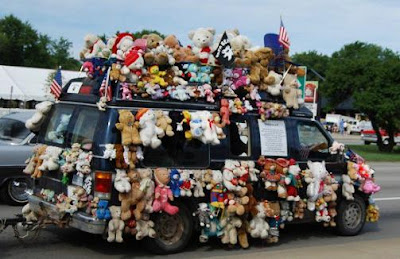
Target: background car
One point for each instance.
(16, 144)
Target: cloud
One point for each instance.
(319, 25)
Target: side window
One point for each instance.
(312, 142)
(57, 127)
(239, 134)
(85, 126)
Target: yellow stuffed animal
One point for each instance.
(156, 76)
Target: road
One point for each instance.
(354, 139)
(377, 240)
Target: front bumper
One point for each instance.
(78, 220)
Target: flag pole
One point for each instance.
(107, 81)
(285, 74)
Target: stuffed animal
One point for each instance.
(147, 187)
(286, 213)
(102, 103)
(185, 54)
(128, 128)
(204, 215)
(149, 132)
(163, 121)
(175, 182)
(79, 197)
(230, 223)
(126, 92)
(109, 152)
(83, 163)
(42, 109)
(347, 187)
(163, 54)
(163, 193)
(178, 93)
(133, 67)
(330, 188)
(186, 183)
(94, 47)
(291, 91)
(336, 148)
(321, 211)
(178, 74)
(372, 213)
(332, 214)
(102, 211)
(259, 66)
(269, 175)
(239, 78)
(219, 125)
(215, 230)
(28, 214)
(132, 198)
(115, 225)
(119, 157)
(274, 80)
(273, 213)
(32, 162)
(299, 208)
(258, 225)
(50, 159)
(157, 76)
(217, 190)
(115, 73)
(202, 39)
(121, 45)
(224, 111)
(314, 190)
(292, 181)
(368, 186)
(352, 170)
(47, 195)
(121, 182)
(231, 181)
(236, 203)
(198, 184)
(152, 56)
(145, 228)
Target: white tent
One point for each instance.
(28, 83)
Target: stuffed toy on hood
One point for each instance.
(202, 40)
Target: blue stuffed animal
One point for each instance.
(102, 211)
(175, 182)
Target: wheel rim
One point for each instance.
(169, 228)
(352, 215)
(17, 190)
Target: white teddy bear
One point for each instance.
(37, 119)
(258, 226)
(274, 83)
(149, 132)
(133, 66)
(50, 159)
(187, 183)
(121, 182)
(121, 45)
(347, 187)
(94, 47)
(110, 152)
(145, 228)
(318, 172)
(203, 39)
(230, 180)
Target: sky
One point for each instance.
(324, 26)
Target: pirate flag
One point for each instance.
(224, 52)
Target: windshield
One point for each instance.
(12, 130)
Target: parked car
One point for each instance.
(369, 136)
(16, 143)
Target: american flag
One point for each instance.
(354, 157)
(104, 87)
(283, 36)
(55, 87)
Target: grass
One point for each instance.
(372, 153)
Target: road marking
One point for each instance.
(387, 199)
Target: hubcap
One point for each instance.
(352, 215)
(169, 228)
(17, 190)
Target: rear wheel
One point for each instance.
(351, 216)
(173, 233)
(13, 192)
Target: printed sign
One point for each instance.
(273, 138)
(74, 87)
(310, 91)
(224, 52)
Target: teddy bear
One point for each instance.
(121, 45)
(208, 133)
(160, 51)
(292, 181)
(274, 80)
(157, 76)
(163, 193)
(145, 228)
(372, 213)
(209, 93)
(321, 211)
(225, 111)
(314, 190)
(299, 208)
(132, 198)
(336, 148)
(133, 67)
(94, 47)
(119, 157)
(177, 76)
(185, 54)
(218, 125)
(186, 183)
(163, 121)
(70, 157)
(236, 203)
(369, 186)
(126, 92)
(332, 214)
(330, 188)
(240, 43)
(129, 128)
(102, 211)
(42, 109)
(83, 163)
(230, 223)
(115, 73)
(31, 162)
(115, 225)
(202, 40)
(239, 78)
(270, 175)
(217, 189)
(259, 66)
(198, 184)
(152, 57)
(102, 103)
(231, 181)
(291, 91)
(259, 227)
(50, 159)
(273, 211)
(147, 187)
(121, 181)
(352, 170)
(48, 195)
(149, 132)
(80, 197)
(109, 152)
(286, 213)
(347, 187)
(245, 58)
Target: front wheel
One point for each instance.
(351, 216)
(173, 233)
(13, 191)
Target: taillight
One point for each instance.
(103, 185)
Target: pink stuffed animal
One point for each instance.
(370, 187)
(88, 68)
(126, 92)
(239, 78)
(163, 193)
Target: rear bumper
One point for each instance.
(78, 220)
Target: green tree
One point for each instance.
(139, 34)
(61, 56)
(314, 60)
(369, 74)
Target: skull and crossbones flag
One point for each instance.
(224, 52)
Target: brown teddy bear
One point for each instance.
(38, 161)
(352, 170)
(230, 223)
(115, 73)
(133, 197)
(245, 59)
(164, 122)
(259, 67)
(332, 213)
(119, 157)
(128, 128)
(132, 157)
(151, 57)
(273, 212)
(299, 208)
(180, 54)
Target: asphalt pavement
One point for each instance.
(377, 240)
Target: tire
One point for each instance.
(13, 194)
(351, 216)
(367, 142)
(183, 221)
